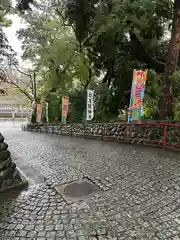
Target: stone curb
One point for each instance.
(21, 185)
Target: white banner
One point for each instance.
(47, 113)
(90, 105)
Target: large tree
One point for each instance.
(137, 28)
(118, 36)
(49, 42)
(171, 63)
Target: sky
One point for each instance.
(11, 33)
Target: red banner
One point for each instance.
(38, 113)
(65, 108)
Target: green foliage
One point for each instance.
(55, 106)
(104, 110)
(52, 48)
(121, 36)
(77, 106)
(176, 88)
(24, 4)
(33, 118)
(177, 111)
(97, 44)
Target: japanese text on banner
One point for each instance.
(47, 112)
(90, 105)
(137, 95)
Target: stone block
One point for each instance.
(1, 138)
(4, 155)
(8, 173)
(3, 146)
(5, 164)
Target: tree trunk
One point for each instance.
(166, 101)
(34, 86)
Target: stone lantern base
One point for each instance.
(10, 176)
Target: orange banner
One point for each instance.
(38, 113)
(137, 95)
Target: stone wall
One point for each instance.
(140, 133)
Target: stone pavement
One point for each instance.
(141, 198)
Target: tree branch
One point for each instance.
(64, 20)
(21, 90)
(6, 79)
(28, 75)
(143, 55)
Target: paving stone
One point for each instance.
(59, 227)
(141, 198)
(49, 227)
(29, 227)
(22, 233)
(82, 238)
(50, 235)
(60, 234)
(32, 234)
(176, 238)
(42, 234)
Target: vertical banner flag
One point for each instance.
(90, 105)
(38, 113)
(47, 113)
(137, 95)
(65, 105)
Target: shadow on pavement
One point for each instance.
(9, 195)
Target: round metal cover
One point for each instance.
(78, 189)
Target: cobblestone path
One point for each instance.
(141, 198)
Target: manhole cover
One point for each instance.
(78, 189)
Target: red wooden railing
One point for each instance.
(170, 134)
